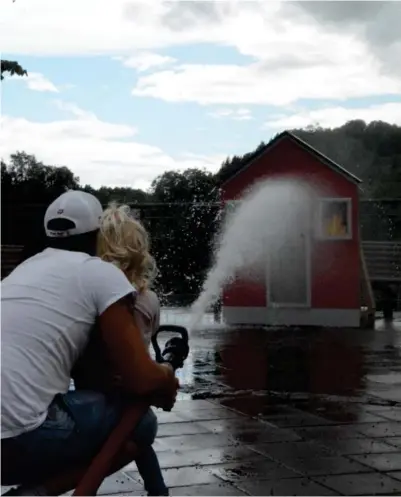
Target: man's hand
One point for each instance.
(165, 397)
(140, 375)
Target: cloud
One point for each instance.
(235, 114)
(332, 117)
(99, 152)
(255, 84)
(144, 61)
(75, 110)
(181, 15)
(298, 50)
(295, 56)
(37, 82)
(377, 23)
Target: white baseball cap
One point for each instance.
(82, 209)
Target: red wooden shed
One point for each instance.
(325, 286)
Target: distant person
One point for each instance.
(389, 304)
(49, 305)
(124, 242)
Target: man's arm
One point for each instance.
(127, 349)
(108, 290)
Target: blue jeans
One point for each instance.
(77, 425)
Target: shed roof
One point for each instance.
(287, 134)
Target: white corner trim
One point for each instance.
(330, 318)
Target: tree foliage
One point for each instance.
(232, 165)
(27, 186)
(12, 67)
(370, 151)
(25, 179)
(126, 195)
(183, 223)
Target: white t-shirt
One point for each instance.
(48, 306)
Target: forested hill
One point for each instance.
(370, 151)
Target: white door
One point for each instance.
(288, 282)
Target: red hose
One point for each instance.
(102, 464)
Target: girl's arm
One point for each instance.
(147, 314)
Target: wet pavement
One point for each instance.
(282, 412)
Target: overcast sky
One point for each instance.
(121, 91)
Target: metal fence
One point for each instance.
(182, 236)
(380, 219)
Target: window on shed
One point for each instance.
(334, 219)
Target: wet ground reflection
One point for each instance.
(291, 365)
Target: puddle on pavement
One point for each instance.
(255, 367)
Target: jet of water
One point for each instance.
(256, 229)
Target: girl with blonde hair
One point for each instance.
(124, 242)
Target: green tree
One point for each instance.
(12, 67)
(25, 178)
(28, 186)
(233, 164)
(125, 195)
(370, 151)
(182, 224)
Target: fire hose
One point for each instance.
(175, 352)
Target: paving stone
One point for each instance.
(203, 457)
(200, 441)
(378, 407)
(258, 470)
(361, 484)
(210, 414)
(390, 414)
(330, 465)
(391, 394)
(220, 455)
(233, 425)
(300, 450)
(380, 462)
(161, 446)
(293, 486)
(183, 477)
(208, 489)
(169, 417)
(173, 429)
(267, 434)
(296, 420)
(329, 433)
(381, 430)
(348, 414)
(119, 483)
(193, 404)
(395, 441)
(359, 418)
(167, 459)
(255, 406)
(396, 475)
(359, 446)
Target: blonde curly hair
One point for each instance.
(124, 242)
